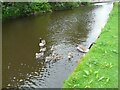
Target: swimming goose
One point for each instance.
(40, 40)
(48, 58)
(57, 57)
(54, 54)
(43, 49)
(70, 55)
(42, 43)
(54, 57)
(52, 48)
(39, 55)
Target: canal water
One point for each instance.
(61, 29)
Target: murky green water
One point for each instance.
(62, 29)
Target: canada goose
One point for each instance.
(54, 53)
(70, 55)
(52, 48)
(39, 55)
(57, 57)
(54, 56)
(82, 48)
(43, 49)
(48, 58)
(42, 42)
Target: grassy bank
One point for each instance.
(99, 68)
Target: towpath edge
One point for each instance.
(99, 67)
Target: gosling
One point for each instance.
(70, 55)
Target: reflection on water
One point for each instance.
(61, 29)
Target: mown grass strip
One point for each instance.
(99, 68)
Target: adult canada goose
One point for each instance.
(84, 49)
(43, 49)
(70, 55)
(42, 42)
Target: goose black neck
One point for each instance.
(40, 40)
(91, 45)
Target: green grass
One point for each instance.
(99, 67)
